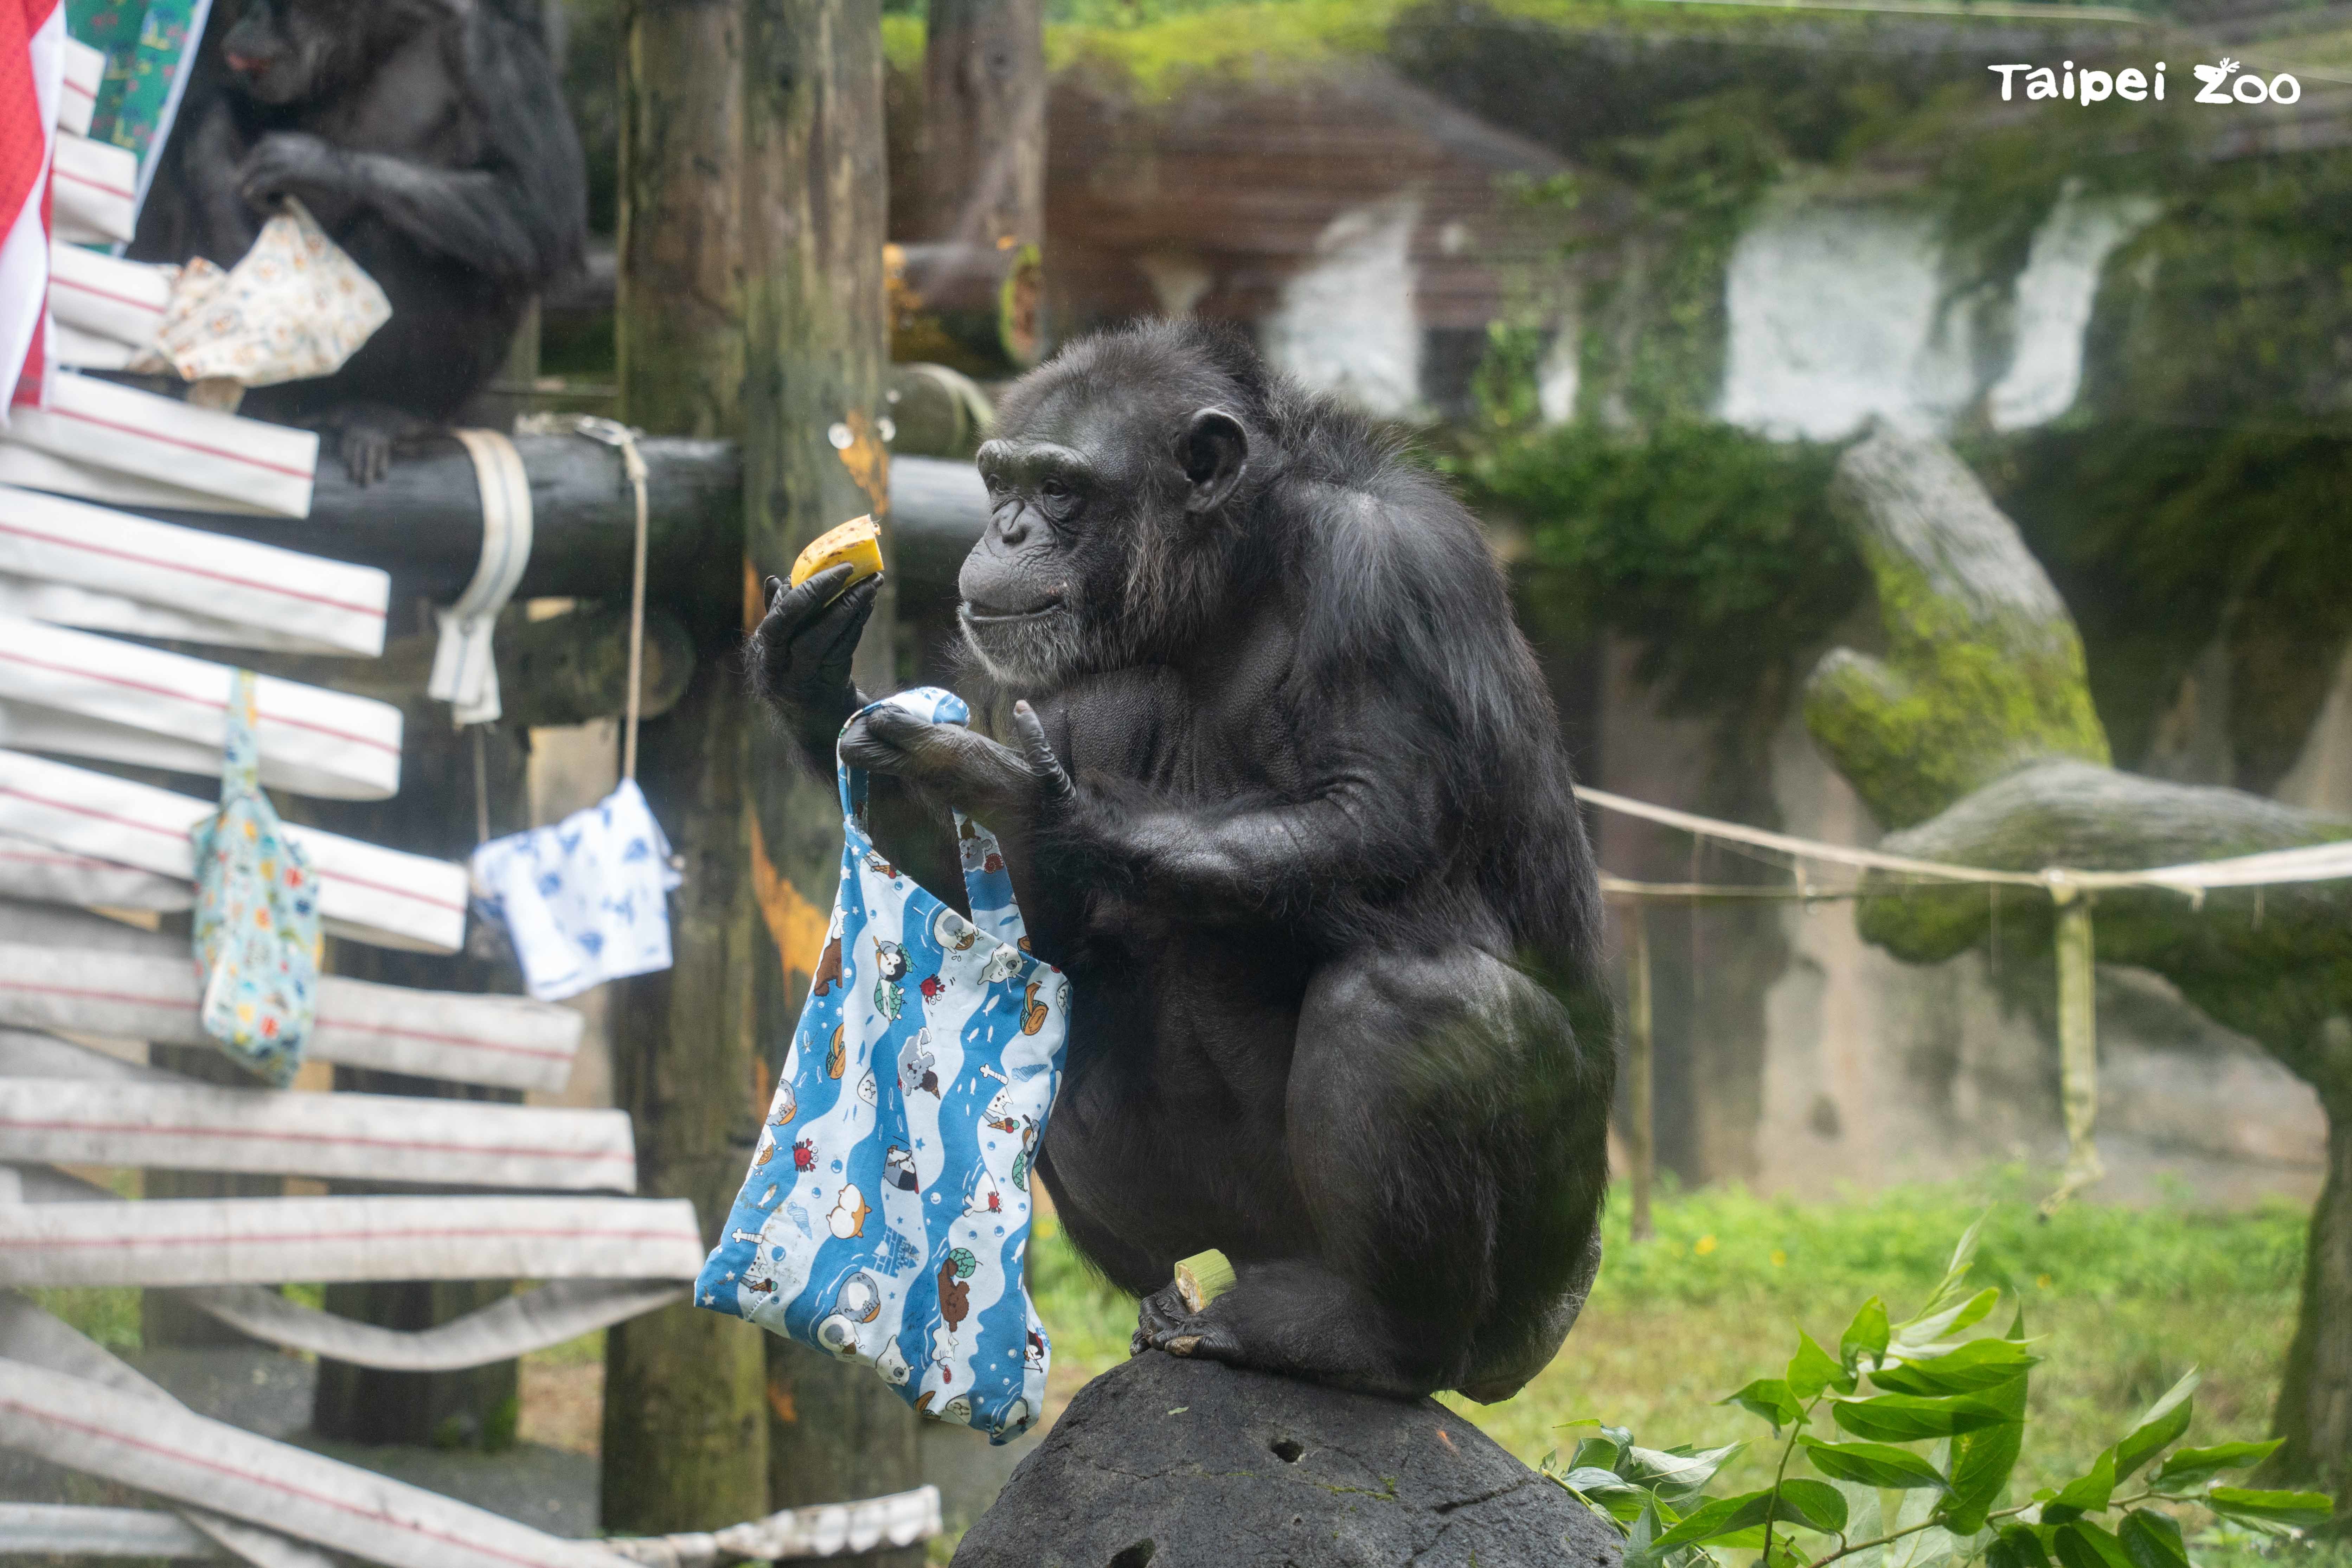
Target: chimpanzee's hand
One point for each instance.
(948, 760)
(1054, 800)
(291, 162)
(800, 657)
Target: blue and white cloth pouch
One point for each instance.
(887, 1213)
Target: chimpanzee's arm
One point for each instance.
(1217, 866)
(1370, 821)
(473, 216)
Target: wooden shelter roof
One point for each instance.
(1224, 193)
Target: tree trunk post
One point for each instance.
(814, 454)
(984, 123)
(685, 1441)
(2315, 1406)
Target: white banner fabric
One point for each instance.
(94, 187)
(37, 873)
(114, 427)
(369, 894)
(170, 1451)
(90, 696)
(358, 1137)
(160, 580)
(122, 302)
(266, 1241)
(513, 1042)
(36, 469)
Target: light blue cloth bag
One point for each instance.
(887, 1212)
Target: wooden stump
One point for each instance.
(1188, 1464)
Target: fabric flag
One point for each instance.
(32, 78)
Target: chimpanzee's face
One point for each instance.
(293, 51)
(1050, 561)
(1090, 497)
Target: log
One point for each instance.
(814, 456)
(570, 668)
(1174, 1461)
(566, 670)
(423, 522)
(938, 413)
(977, 307)
(685, 1437)
(1979, 732)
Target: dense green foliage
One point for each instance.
(1919, 1468)
(1711, 546)
(2163, 540)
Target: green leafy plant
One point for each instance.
(1912, 1430)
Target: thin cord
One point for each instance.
(613, 433)
(481, 787)
(636, 467)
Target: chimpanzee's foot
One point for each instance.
(1298, 1319)
(1163, 1323)
(367, 453)
(367, 433)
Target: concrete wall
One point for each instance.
(1795, 1057)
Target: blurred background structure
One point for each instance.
(1631, 272)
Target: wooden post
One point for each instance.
(1641, 1134)
(984, 123)
(2078, 1042)
(815, 194)
(678, 319)
(685, 1440)
(973, 295)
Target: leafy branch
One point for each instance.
(1929, 1382)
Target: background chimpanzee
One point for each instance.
(431, 140)
(1315, 843)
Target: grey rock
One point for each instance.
(1187, 1464)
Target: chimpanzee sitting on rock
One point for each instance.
(1292, 811)
(431, 140)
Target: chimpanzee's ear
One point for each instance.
(1212, 451)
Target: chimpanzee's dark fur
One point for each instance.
(430, 139)
(1320, 839)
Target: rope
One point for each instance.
(2306, 863)
(613, 433)
(2078, 1039)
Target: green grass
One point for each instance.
(2123, 1299)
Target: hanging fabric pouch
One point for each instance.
(256, 915)
(885, 1215)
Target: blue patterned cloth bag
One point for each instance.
(257, 927)
(887, 1212)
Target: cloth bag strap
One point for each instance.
(936, 705)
